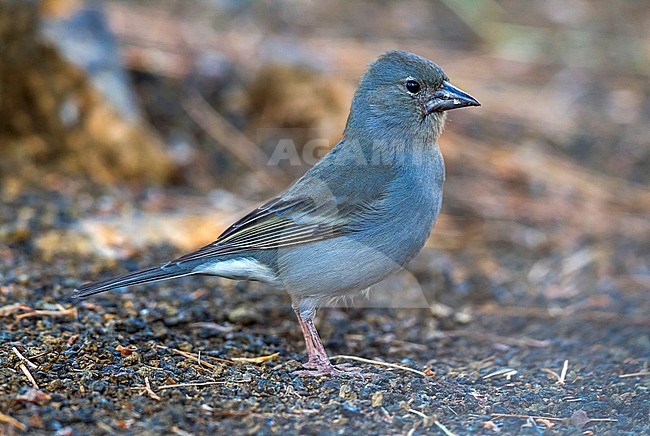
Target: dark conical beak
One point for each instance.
(449, 97)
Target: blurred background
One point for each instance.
(127, 125)
(179, 106)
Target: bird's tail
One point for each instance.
(152, 274)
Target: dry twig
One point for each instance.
(418, 413)
(635, 374)
(183, 385)
(29, 376)
(379, 363)
(23, 358)
(201, 359)
(505, 372)
(10, 309)
(12, 421)
(259, 359)
(565, 368)
(24, 369)
(561, 378)
(150, 392)
(195, 357)
(444, 429)
(70, 313)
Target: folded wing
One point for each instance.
(294, 219)
(276, 224)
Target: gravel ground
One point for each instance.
(164, 358)
(536, 280)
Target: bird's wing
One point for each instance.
(291, 220)
(275, 224)
(278, 224)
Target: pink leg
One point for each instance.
(319, 363)
(311, 350)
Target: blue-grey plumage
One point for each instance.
(361, 213)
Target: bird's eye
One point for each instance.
(412, 86)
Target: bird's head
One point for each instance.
(402, 93)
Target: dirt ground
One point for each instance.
(160, 358)
(534, 287)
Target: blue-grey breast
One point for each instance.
(357, 216)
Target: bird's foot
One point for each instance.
(313, 369)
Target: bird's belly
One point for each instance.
(351, 263)
(356, 261)
(333, 267)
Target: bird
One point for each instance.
(354, 218)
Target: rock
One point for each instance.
(244, 314)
